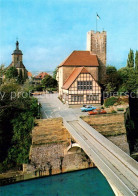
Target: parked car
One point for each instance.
(97, 111)
(88, 108)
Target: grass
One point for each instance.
(110, 133)
(107, 125)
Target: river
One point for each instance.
(89, 182)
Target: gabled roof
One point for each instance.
(73, 76)
(80, 58)
(41, 75)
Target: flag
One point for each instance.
(98, 17)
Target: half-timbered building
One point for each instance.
(80, 74)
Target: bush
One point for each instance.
(110, 101)
(21, 140)
(120, 109)
(16, 122)
(52, 89)
(113, 112)
(38, 87)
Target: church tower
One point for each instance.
(96, 43)
(17, 61)
(16, 55)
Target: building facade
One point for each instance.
(81, 88)
(80, 74)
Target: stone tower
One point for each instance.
(96, 43)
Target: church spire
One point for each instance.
(17, 51)
(17, 45)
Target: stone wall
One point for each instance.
(48, 153)
(52, 159)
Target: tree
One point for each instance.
(111, 80)
(55, 72)
(128, 79)
(2, 73)
(21, 140)
(110, 69)
(109, 87)
(2, 70)
(132, 81)
(49, 82)
(20, 77)
(123, 75)
(136, 60)
(17, 113)
(8, 94)
(25, 75)
(11, 73)
(130, 60)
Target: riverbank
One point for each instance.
(53, 151)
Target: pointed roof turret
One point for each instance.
(17, 51)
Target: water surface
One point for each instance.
(88, 182)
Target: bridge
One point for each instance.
(120, 170)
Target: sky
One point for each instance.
(49, 30)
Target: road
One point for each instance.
(52, 107)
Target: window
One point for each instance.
(93, 97)
(84, 85)
(76, 98)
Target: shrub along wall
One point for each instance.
(16, 122)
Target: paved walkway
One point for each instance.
(52, 107)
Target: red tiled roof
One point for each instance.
(73, 76)
(29, 74)
(80, 58)
(41, 75)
